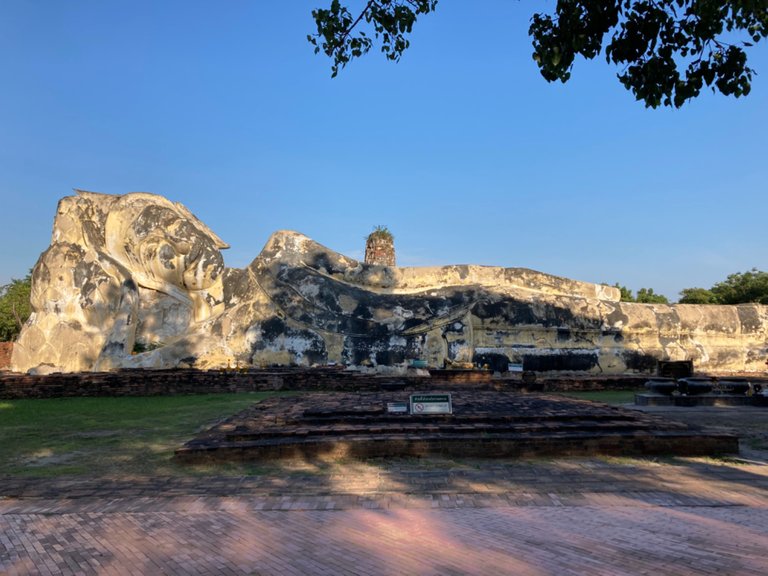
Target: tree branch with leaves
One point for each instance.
(14, 307)
(668, 50)
(339, 37)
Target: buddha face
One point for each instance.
(165, 248)
(171, 250)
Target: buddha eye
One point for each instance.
(166, 255)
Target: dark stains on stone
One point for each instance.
(667, 341)
(184, 238)
(329, 300)
(305, 318)
(668, 321)
(323, 310)
(495, 361)
(456, 347)
(113, 349)
(617, 318)
(390, 357)
(615, 332)
(322, 293)
(562, 360)
(727, 356)
(41, 274)
(374, 345)
(463, 271)
(83, 271)
(638, 361)
(381, 351)
(522, 313)
(211, 300)
(510, 311)
(303, 344)
(166, 256)
(749, 318)
(88, 276)
(322, 262)
(150, 219)
(272, 329)
(217, 329)
(354, 355)
(753, 355)
(237, 285)
(316, 356)
(316, 305)
(94, 233)
(362, 311)
(414, 347)
(455, 327)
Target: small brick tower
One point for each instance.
(380, 247)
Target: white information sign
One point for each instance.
(431, 404)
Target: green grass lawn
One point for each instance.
(607, 396)
(125, 437)
(107, 437)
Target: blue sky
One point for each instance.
(462, 149)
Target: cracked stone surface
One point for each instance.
(137, 281)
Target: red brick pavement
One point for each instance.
(706, 518)
(511, 540)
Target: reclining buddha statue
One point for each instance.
(137, 281)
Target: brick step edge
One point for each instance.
(513, 445)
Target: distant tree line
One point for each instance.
(644, 295)
(14, 307)
(738, 288)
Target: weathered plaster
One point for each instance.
(139, 269)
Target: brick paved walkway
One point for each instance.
(475, 517)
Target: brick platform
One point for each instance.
(483, 423)
(169, 382)
(6, 348)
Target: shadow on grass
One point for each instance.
(526, 516)
(126, 444)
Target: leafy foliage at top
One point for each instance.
(697, 296)
(738, 288)
(644, 295)
(743, 287)
(14, 307)
(626, 293)
(381, 233)
(668, 50)
(391, 20)
(648, 296)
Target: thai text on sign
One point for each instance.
(431, 404)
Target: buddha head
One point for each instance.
(165, 248)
